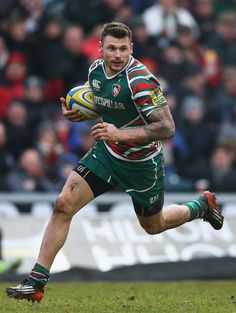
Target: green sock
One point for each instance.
(39, 276)
(198, 208)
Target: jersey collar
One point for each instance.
(131, 59)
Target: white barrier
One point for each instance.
(107, 198)
(107, 240)
(104, 242)
(44, 202)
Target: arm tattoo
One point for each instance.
(162, 125)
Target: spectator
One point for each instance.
(17, 128)
(220, 173)
(85, 140)
(75, 133)
(163, 17)
(12, 80)
(222, 106)
(50, 58)
(73, 9)
(49, 146)
(89, 45)
(65, 164)
(63, 131)
(34, 98)
(227, 131)
(197, 134)
(19, 39)
(117, 10)
(197, 54)
(29, 175)
(204, 14)
(34, 10)
(151, 64)
(223, 40)
(175, 150)
(194, 84)
(6, 159)
(172, 65)
(144, 44)
(72, 38)
(75, 62)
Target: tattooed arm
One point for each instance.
(162, 124)
(161, 127)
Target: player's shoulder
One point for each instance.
(95, 64)
(138, 71)
(140, 78)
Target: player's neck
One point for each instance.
(109, 72)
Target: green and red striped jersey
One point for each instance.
(125, 100)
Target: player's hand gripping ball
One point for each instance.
(81, 100)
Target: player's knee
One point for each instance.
(63, 206)
(152, 229)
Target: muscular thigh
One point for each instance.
(76, 192)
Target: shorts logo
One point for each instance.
(154, 199)
(80, 168)
(96, 84)
(115, 89)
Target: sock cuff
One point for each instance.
(39, 268)
(197, 208)
(191, 211)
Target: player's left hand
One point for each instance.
(105, 131)
(71, 115)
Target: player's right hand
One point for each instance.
(71, 115)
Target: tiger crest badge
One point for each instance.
(116, 89)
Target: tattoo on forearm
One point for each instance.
(162, 126)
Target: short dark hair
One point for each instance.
(117, 30)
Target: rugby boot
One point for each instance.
(214, 215)
(25, 291)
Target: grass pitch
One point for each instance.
(135, 297)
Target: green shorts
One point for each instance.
(143, 181)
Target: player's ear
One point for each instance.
(100, 46)
(131, 47)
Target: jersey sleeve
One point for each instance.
(147, 92)
(94, 65)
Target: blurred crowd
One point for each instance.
(46, 47)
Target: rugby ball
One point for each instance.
(81, 100)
